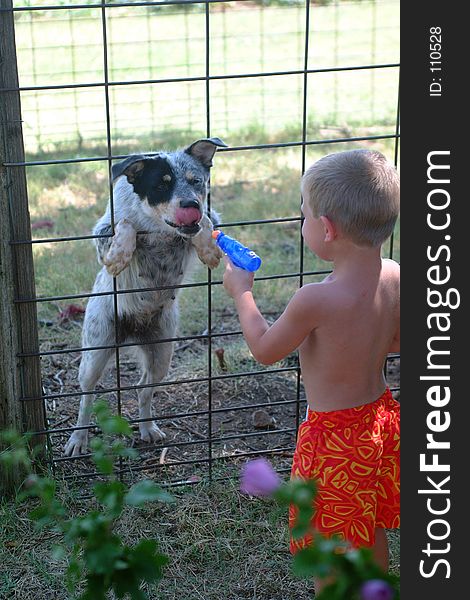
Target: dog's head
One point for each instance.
(172, 186)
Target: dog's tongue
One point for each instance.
(187, 216)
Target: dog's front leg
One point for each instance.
(207, 250)
(78, 441)
(122, 248)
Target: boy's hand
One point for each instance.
(236, 281)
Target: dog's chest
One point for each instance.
(162, 262)
(157, 263)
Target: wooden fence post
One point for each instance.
(20, 377)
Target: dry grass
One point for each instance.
(221, 544)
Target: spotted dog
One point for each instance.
(162, 223)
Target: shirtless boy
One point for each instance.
(344, 327)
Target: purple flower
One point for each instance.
(258, 478)
(376, 589)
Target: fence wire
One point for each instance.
(207, 445)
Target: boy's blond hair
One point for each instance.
(358, 190)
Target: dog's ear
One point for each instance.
(204, 150)
(130, 167)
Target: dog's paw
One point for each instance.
(210, 255)
(207, 250)
(77, 444)
(150, 432)
(122, 248)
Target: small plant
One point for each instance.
(355, 575)
(96, 555)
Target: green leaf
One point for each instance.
(15, 458)
(10, 437)
(130, 453)
(58, 552)
(14, 450)
(73, 575)
(48, 513)
(297, 491)
(306, 564)
(118, 448)
(146, 562)
(303, 497)
(44, 488)
(146, 491)
(111, 494)
(339, 590)
(95, 588)
(101, 560)
(97, 444)
(126, 584)
(104, 464)
(109, 423)
(93, 525)
(299, 530)
(115, 425)
(331, 546)
(302, 523)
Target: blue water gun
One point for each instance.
(240, 255)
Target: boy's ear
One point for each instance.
(329, 228)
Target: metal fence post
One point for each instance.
(21, 405)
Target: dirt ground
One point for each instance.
(245, 415)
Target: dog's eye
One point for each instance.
(197, 181)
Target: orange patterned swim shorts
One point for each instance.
(354, 457)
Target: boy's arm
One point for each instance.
(395, 345)
(394, 270)
(269, 344)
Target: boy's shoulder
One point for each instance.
(318, 297)
(391, 268)
(390, 262)
(309, 296)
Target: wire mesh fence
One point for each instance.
(282, 83)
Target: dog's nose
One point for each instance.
(191, 203)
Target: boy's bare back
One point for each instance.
(355, 324)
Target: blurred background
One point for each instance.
(149, 47)
(178, 72)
